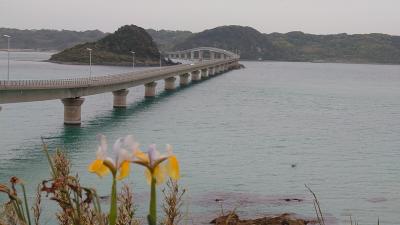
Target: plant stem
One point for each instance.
(46, 151)
(26, 204)
(152, 217)
(113, 207)
(18, 211)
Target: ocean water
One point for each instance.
(250, 137)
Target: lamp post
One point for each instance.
(160, 60)
(90, 61)
(133, 60)
(8, 55)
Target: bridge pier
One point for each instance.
(196, 75)
(211, 71)
(216, 70)
(204, 73)
(169, 83)
(72, 110)
(120, 98)
(150, 89)
(224, 68)
(184, 79)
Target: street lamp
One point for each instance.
(8, 55)
(133, 60)
(160, 60)
(90, 61)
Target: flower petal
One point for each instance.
(98, 167)
(173, 167)
(102, 142)
(118, 145)
(141, 156)
(153, 154)
(147, 174)
(124, 170)
(123, 155)
(95, 165)
(129, 142)
(169, 149)
(159, 174)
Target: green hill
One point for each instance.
(298, 46)
(115, 49)
(251, 43)
(357, 48)
(47, 39)
(167, 39)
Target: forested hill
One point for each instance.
(47, 39)
(252, 44)
(115, 49)
(299, 46)
(357, 48)
(167, 39)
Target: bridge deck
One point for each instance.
(38, 90)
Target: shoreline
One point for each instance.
(156, 64)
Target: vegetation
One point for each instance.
(80, 205)
(167, 39)
(358, 48)
(298, 46)
(115, 49)
(251, 43)
(44, 40)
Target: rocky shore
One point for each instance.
(283, 219)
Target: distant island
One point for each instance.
(252, 44)
(115, 49)
(298, 46)
(47, 40)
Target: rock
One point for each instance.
(233, 219)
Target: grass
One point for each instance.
(79, 205)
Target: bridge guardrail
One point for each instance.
(108, 79)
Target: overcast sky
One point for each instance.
(311, 16)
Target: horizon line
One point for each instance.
(194, 32)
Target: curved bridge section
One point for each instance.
(203, 53)
(72, 91)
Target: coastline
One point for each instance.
(157, 63)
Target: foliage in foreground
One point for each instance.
(79, 205)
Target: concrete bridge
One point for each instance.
(71, 91)
(202, 53)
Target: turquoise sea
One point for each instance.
(250, 137)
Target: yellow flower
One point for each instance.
(153, 161)
(103, 164)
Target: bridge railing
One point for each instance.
(105, 80)
(210, 49)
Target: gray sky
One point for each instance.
(311, 16)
